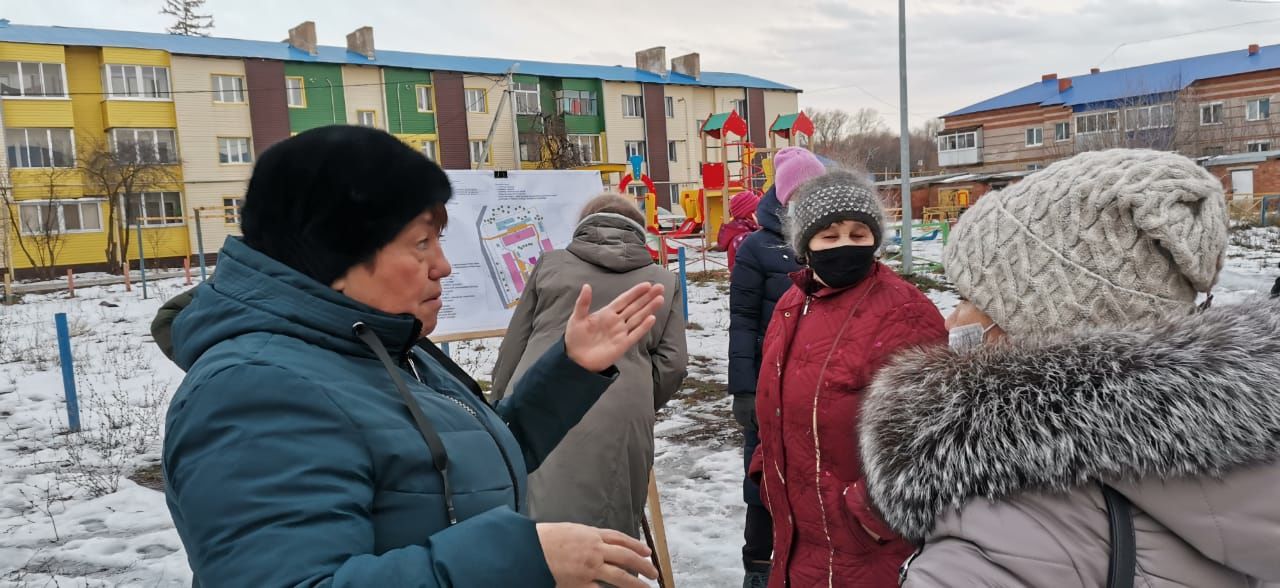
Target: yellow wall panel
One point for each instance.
(76, 248)
(158, 242)
(123, 56)
(31, 52)
(38, 113)
(84, 79)
(35, 184)
(138, 114)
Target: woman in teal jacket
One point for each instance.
(314, 442)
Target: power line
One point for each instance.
(1196, 32)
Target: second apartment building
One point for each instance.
(205, 108)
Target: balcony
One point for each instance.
(955, 157)
(960, 147)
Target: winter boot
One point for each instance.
(757, 575)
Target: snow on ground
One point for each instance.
(70, 515)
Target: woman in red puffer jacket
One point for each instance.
(845, 316)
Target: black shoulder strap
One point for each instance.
(1123, 565)
(454, 369)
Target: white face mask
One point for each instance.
(968, 337)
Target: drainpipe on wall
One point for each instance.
(515, 124)
(333, 103)
(6, 247)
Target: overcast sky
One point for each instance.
(842, 53)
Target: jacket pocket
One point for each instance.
(847, 534)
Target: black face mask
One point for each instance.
(841, 267)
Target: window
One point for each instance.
(673, 151)
(32, 80)
(231, 210)
(234, 150)
(52, 217)
(425, 103)
(158, 209)
(145, 145)
(295, 91)
(1258, 146)
(367, 118)
(1062, 131)
(632, 106)
(228, 89)
(138, 81)
(1211, 114)
(635, 148)
(1035, 166)
(1100, 122)
(1035, 137)
(576, 102)
(1159, 116)
(671, 106)
(739, 106)
(957, 141)
(588, 146)
(527, 101)
(1259, 109)
(478, 152)
(530, 150)
(701, 123)
(40, 147)
(477, 100)
(1213, 151)
(429, 149)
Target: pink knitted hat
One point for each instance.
(743, 204)
(794, 166)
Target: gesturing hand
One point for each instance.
(596, 340)
(579, 556)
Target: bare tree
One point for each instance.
(552, 141)
(190, 22)
(866, 121)
(121, 176)
(38, 225)
(829, 127)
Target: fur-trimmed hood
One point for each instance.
(1191, 396)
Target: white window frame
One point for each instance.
(26, 138)
(429, 150)
(957, 141)
(583, 96)
(137, 71)
(58, 204)
(236, 91)
(1209, 107)
(673, 151)
(739, 105)
(1034, 136)
(593, 143)
(1260, 144)
(1159, 116)
(1258, 116)
(231, 207)
(241, 157)
(155, 142)
(1058, 135)
(669, 103)
(640, 146)
(470, 103)
(167, 221)
(360, 118)
(423, 92)
(477, 147)
(521, 95)
(43, 96)
(301, 91)
(1085, 129)
(632, 106)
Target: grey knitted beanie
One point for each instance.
(830, 198)
(1102, 238)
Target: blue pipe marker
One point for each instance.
(684, 285)
(68, 371)
(200, 244)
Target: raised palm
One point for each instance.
(595, 340)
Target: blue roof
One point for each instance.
(239, 48)
(1142, 80)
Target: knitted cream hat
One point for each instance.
(1102, 238)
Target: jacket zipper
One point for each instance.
(511, 471)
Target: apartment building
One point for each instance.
(198, 111)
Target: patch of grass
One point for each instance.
(927, 283)
(149, 476)
(703, 278)
(697, 390)
(693, 327)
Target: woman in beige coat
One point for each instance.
(599, 474)
(1080, 362)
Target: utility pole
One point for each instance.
(515, 122)
(904, 140)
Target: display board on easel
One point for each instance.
(500, 225)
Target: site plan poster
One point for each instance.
(498, 230)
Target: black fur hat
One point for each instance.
(330, 198)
